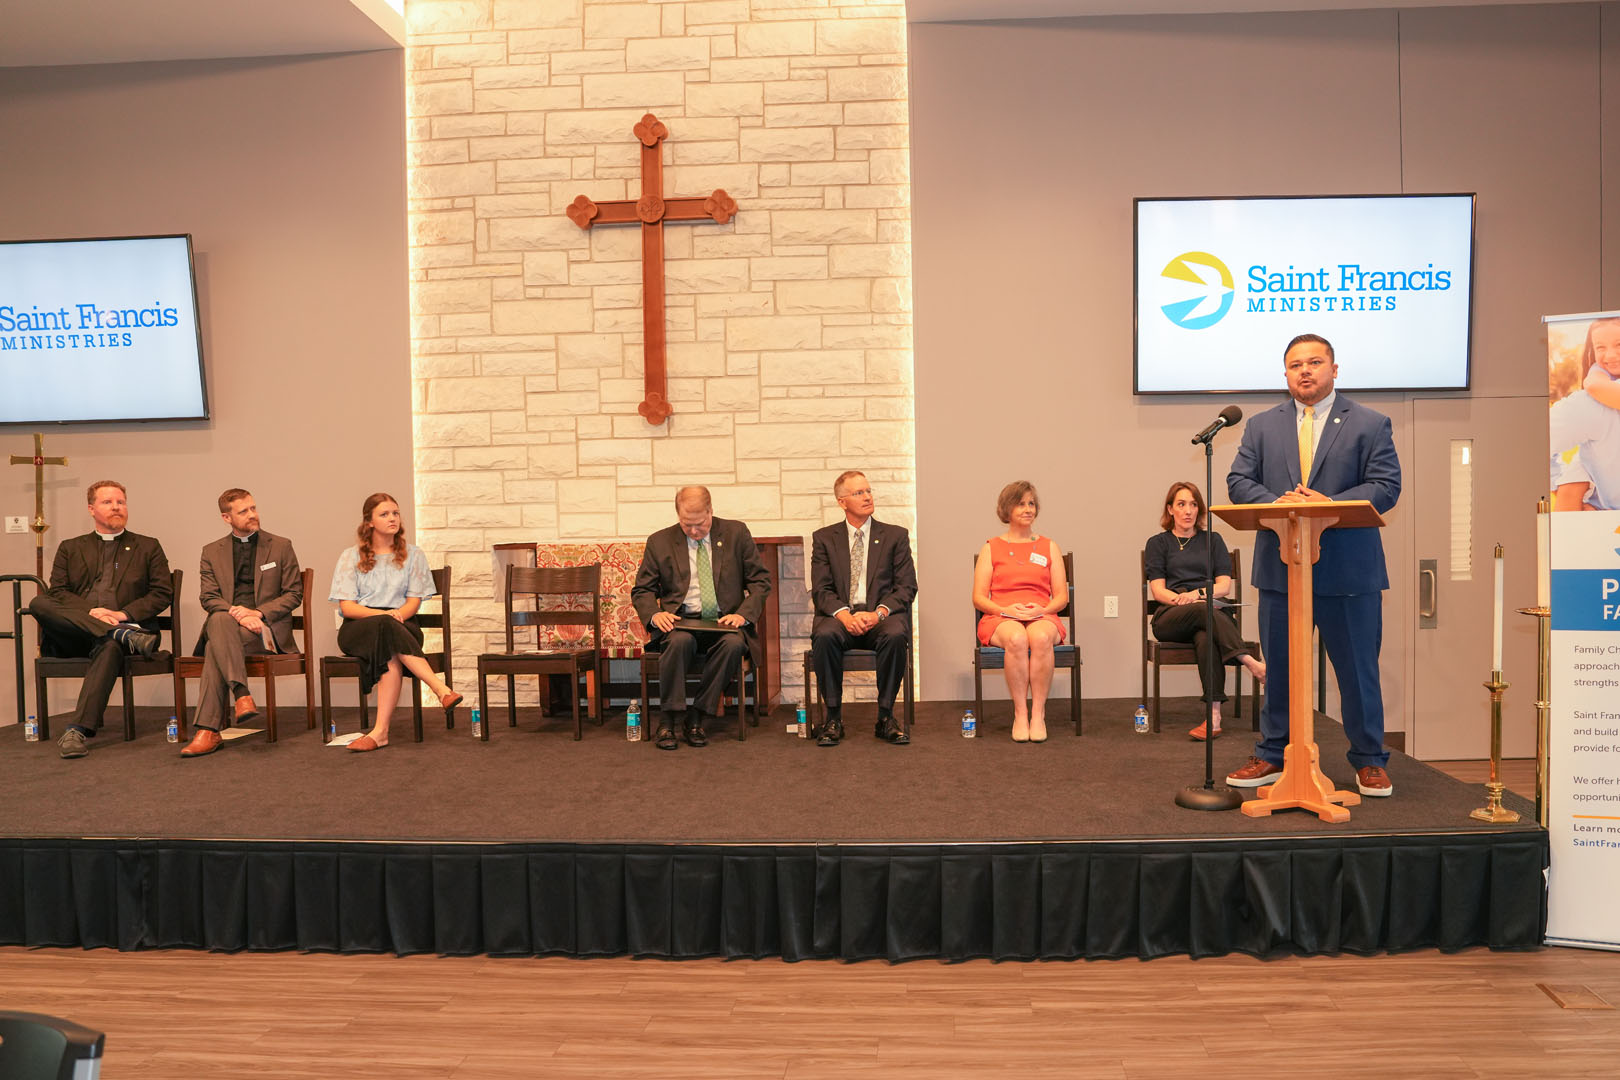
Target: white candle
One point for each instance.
(1496, 621)
(1543, 555)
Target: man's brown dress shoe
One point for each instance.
(1256, 772)
(244, 710)
(203, 742)
(1374, 782)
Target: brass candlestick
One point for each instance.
(1543, 617)
(1492, 811)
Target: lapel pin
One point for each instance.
(1338, 419)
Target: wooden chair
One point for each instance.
(268, 666)
(1159, 654)
(347, 667)
(858, 660)
(1067, 655)
(557, 593)
(747, 680)
(74, 667)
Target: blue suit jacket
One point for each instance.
(1355, 459)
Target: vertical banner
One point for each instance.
(1583, 819)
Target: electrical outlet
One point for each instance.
(1110, 607)
(16, 524)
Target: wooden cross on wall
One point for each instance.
(652, 210)
(39, 461)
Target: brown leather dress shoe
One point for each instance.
(1374, 782)
(244, 710)
(205, 741)
(1256, 772)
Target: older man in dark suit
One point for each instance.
(862, 582)
(106, 586)
(250, 585)
(1317, 446)
(704, 569)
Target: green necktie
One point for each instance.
(709, 605)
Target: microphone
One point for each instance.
(1229, 416)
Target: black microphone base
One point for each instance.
(1214, 797)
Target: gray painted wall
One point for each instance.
(289, 173)
(1030, 141)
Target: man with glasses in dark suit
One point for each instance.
(862, 582)
(702, 569)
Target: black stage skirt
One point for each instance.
(374, 641)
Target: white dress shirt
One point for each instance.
(857, 588)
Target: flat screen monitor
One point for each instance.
(1222, 285)
(100, 330)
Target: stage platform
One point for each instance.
(533, 843)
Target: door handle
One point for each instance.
(1428, 593)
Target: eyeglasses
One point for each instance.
(862, 493)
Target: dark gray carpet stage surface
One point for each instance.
(535, 784)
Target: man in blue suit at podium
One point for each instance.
(1315, 447)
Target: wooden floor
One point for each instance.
(285, 1016)
(1518, 774)
(272, 1016)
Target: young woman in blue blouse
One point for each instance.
(378, 585)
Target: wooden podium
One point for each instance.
(1299, 527)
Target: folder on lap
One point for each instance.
(705, 624)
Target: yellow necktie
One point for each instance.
(1307, 445)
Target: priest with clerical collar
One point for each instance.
(250, 587)
(107, 589)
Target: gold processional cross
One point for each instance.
(652, 210)
(39, 461)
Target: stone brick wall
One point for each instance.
(789, 327)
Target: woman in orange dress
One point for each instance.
(1019, 585)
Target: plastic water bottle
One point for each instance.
(174, 729)
(802, 719)
(331, 730)
(970, 725)
(632, 721)
(1142, 727)
(477, 724)
(31, 729)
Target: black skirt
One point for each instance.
(374, 641)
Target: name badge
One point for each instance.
(1037, 558)
(268, 566)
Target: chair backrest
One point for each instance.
(439, 620)
(37, 1047)
(171, 621)
(303, 620)
(560, 594)
(1066, 613)
(525, 553)
(1236, 595)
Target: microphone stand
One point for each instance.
(1209, 795)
